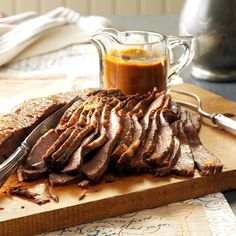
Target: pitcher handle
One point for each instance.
(188, 44)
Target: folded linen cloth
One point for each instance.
(58, 37)
(64, 36)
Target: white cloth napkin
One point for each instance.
(60, 37)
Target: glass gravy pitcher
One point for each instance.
(138, 61)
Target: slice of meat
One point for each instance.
(97, 166)
(134, 100)
(193, 118)
(144, 103)
(79, 114)
(74, 117)
(155, 101)
(66, 144)
(56, 145)
(103, 92)
(164, 143)
(127, 131)
(68, 113)
(103, 135)
(148, 143)
(171, 159)
(59, 162)
(28, 174)
(129, 153)
(154, 105)
(185, 164)
(170, 115)
(152, 135)
(61, 158)
(206, 162)
(76, 160)
(35, 157)
(167, 103)
(125, 138)
(62, 154)
(62, 179)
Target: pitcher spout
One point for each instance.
(104, 40)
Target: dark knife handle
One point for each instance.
(11, 164)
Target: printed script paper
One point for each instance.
(210, 215)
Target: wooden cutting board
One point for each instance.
(127, 194)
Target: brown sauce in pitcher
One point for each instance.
(134, 70)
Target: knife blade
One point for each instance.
(11, 164)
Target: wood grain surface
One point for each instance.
(127, 194)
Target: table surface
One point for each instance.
(168, 25)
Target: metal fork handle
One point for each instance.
(13, 162)
(224, 123)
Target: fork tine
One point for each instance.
(189, 95)
(194, 107)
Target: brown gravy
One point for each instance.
(133, 71)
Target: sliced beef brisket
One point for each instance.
(76, 160)
(98, 165)
(185, 164)
(206, 162)
(147, 105)
(105, 131)
(171, 159)
(35, 157)
(18, 123)
(164, 145)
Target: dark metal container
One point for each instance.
(213, 23)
